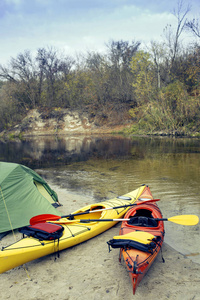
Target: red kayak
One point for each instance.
(140, 238)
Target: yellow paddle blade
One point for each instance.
(185, 219)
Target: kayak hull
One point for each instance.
(29, 248)
(138, 262)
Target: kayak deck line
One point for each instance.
(85, 229)
(147, 259)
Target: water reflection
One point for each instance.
(104, 166)
(50, 151)
(46, 152)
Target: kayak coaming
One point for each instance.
(137, 261)
(29, 248)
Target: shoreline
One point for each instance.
(74, 122)
(89, 271)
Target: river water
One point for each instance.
(102, 167)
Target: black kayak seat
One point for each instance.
(142, 221)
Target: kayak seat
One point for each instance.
(142, 221)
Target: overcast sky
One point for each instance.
(77, 26)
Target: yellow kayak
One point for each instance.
(75, 232)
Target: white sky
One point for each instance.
(77, 26)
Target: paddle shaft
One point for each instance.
(109, 208)
(181, 219)
(101, 220)
(46, 217)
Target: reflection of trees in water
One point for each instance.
(43, 152)
(49, 152)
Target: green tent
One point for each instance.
(23, 194)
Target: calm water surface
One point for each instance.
(105, 166)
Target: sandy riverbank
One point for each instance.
(89, 271)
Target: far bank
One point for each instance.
(44, 122)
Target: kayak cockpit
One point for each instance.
(143, 218)
(96, 214)
(143, 221)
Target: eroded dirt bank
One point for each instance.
(65, 122)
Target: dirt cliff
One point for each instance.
(64, 121)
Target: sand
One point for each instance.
(89, 272)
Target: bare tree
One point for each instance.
(173, 37)
(120, 54)
(22, 72)
(52, 68)
(194, 27)
(7, 74)
(48, 69)
(158, 53)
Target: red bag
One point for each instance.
(43, 231)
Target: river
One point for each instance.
(107, 166)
